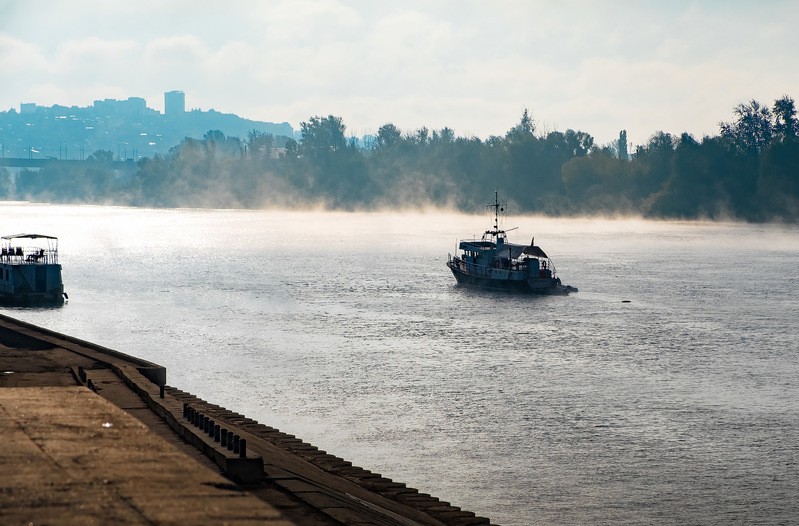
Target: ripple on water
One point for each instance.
(680, 406)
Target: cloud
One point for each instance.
(677, 66)
(234, 57)
(88, 52)
(305, 22)
(18, 57)
(175, 51)
(46, 91)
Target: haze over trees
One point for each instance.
(749, 171)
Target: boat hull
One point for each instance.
(32, 299)
(544, 286)
(31, 284)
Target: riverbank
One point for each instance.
(98, 436)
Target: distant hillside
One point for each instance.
(128, 129)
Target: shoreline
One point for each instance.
(306, 485)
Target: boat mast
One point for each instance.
(499, 206)
(496, 210)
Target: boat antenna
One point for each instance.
(499, 206)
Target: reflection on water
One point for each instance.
(348, 330)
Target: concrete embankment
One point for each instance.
(97, 437)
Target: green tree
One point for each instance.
(328, 166)
(444, 135)
(652, 165)
(598, 182)
(752, 130)
(523, 131)
(786, 127)
(578, 143)
(292, 148)
(621, 146)
(388, 136)
(322, 135)
(260, 145)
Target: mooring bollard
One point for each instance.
(211, 425)
(223, 437)
(206, 421)
(161, 391)
(236, 443)
(230, 439)
(243, 448)
(185, 409)
(216, 433)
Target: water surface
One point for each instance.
(347, 330)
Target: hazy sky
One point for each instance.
(474, 66)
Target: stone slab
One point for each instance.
(78, 459)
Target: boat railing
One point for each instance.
(472, 268)
(24, 256)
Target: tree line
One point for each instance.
(748, 171)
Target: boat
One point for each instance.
(30, 273)
(494, 263)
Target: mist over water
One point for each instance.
(348, 330)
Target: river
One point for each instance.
(664, 392)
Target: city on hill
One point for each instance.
(748, 171)
(126, 128)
